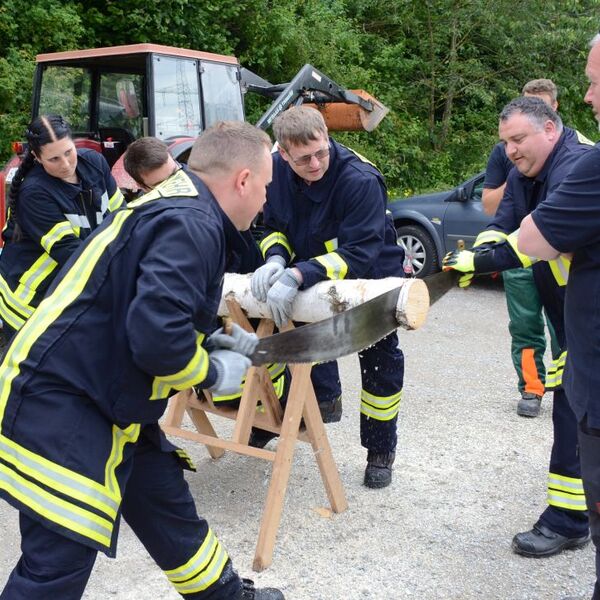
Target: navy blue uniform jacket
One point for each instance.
(121, 328)
(336, 227)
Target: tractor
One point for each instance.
(112, 96)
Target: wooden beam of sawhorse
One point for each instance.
(301, 403)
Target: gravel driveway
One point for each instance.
(469, 474)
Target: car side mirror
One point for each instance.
(461, 194)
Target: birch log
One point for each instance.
(329, 298)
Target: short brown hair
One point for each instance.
(541, 86)
(226, 145)
(298, 125)
(145, 155)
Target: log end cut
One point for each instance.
(413, 304)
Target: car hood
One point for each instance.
(433, 198)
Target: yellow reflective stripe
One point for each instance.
(120, 437)
(59, 231)
(186, 457)
(12, 301)
(526, 261)
(178, 185)
(335, 266)
(279, 386)
(272, 240)
(193, 373)
(382, 408)
(331, 245)
(360, 156)
(560, 269)
(275, 371)
(116, 200)
(66, 292)
(489, 236)
(555, 371)
(583, 140)
(10, 317)
(29, 282)
(202, 569)
(55, 509)
(566, 492)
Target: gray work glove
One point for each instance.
(239, 341)
(231, 368)
(280, 297)
(264, 277)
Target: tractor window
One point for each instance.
(66, 91)
(176, 97)
(221, 93)
(120, 103)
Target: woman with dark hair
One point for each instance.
(58, 196)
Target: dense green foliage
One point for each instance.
(444, 67)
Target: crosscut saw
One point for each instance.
(345, 333)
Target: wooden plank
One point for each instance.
(220, 443)
(281, 469)
(204, 426)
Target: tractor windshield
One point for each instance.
(117, 104)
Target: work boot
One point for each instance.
(529, 405)
(541, 541)
(259, 438)
(378, 473)
(249, 592)
(331, 412)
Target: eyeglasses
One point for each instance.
(305, 160)
(154, 184)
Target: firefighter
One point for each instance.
(149, 162)
(325, 218)
(543, 154)
(568, 222)
(58, 196)
(87, 377)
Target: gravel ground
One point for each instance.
(469, 474)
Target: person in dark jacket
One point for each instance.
(543, 154)
(58, 196)
(89, 374)
(325, 219)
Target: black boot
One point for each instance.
(331, 412)
(378, 473)
(259, 438)
(542, 541)
(249, 592)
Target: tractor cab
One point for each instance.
(112, 96)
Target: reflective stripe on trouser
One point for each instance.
(158, 506)
(589, 451)
(277, 372)
(566, 513)
(382, 373)
(526, 326)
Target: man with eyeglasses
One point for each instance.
(325, 219)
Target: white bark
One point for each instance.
(329, 298)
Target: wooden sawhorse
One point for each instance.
(301, 403)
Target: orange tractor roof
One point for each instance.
(132, 49)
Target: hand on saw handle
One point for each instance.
(280, 297)
(237, 339)
(231, 368)
(462, 261)
(264, 277)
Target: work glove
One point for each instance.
(238, 341)
(231, 368)
(280, 297)
(462, 261)
(264, 277)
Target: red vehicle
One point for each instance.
(112, 96)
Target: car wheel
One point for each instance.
(421, 253)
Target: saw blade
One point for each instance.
(439, 284)
(346, 333)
